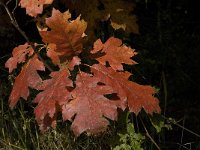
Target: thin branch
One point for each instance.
(186, 129)
(13, 11)
(8, 2)
(165, 92)
(182, 134)
(149, 136)
(15, 24)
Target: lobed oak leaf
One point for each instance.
(34, 7)
(28, 77)
(137, 96)
(120, 12)
(51, 53)
(50, 100)
(74, 62)
(114, 52)
(19, 56)
(65, 34)
(89, 108)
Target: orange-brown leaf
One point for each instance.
(51, 53)
(66, 34)
(34, 7)
(117, 26)
(89, 108)
(28, 77)
(94, 11)
(114, 52)
(138, 96)
(74, 62)
(51, 99)
(19, 56)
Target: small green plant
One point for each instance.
(130, 140)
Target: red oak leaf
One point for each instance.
(75, 61)
(28, 77)
(51, 53)
(114, 52)
(67, 35)
(138, 96)
(53, 96)
(34, 7)
(89, 108)
(19, 56)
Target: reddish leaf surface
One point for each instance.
(28, 77)
(75, 61)
(114, 52)
(34, 7)
(85, 104)
(19, 56)
(67, 35)
(51, 53)
(89, 108)
(138, 96)
(53, 96)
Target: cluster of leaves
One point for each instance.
(90, 97)
(130, 140)
(118, 12)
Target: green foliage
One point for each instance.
(130, 140)
(158, 123)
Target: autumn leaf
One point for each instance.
(51, 53)
(89, 108)
(113, 52)
(138, 96)
(65, 34)
(120, 12)
(117, 26)
(50, 100)
(74, 62)
(28, 77)
(34, 7)
(19, 56)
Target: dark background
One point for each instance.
(169, 44)
(169, 59)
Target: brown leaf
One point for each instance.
(19, 56)
(65, 34)
(34, 7)
(75, 61)
(51, 53)
(50, 100)
(138, 96)
(28, 77)
(94, 11)
(89, 108)
(117, 26)
(114, 52)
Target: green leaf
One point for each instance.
(130, 140)
(159, 123)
